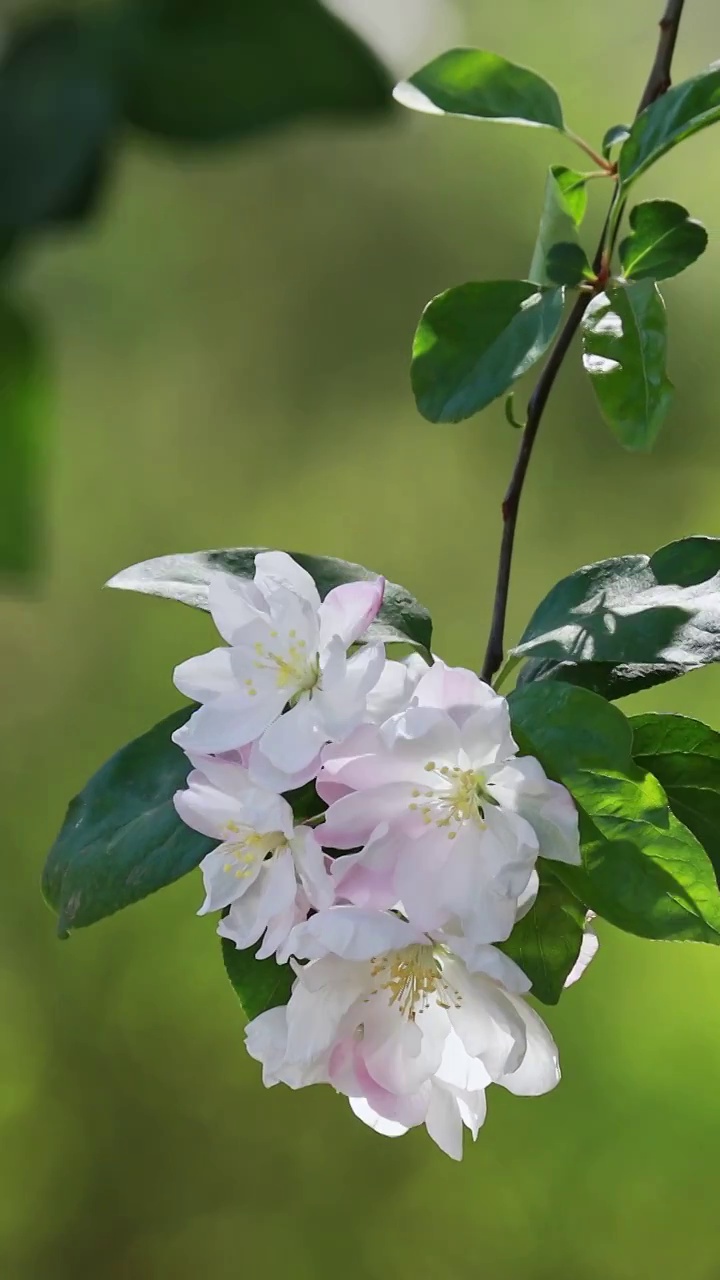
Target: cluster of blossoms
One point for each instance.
(418, 856)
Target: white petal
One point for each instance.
(422, 735)
(353, 933)
(342, 703)
(443, 1122)
(454, 689)
(351, 820)
(524, 787)
(482, 958)
(236, 606)
(322, 995)
(487, 1020)
(226, 878)
(364, 1112)
(311, 867)
(458, 1068)
(293, 742)
(228, 723)
(266, 1041)
(272, 894)
(588, 951)
(206, 676)
(348, 610)
(394, 688)
(486, 736)
(539, 1070)
(277, 568)
(268, 775)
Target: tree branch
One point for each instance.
(658, 83)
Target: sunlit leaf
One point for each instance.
(684, 755)
(663, 241)
(563, 211)
(682, 111)
(484, 86)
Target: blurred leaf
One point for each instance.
(642, 869)
(624, 346)
(258, 984)
(610, 681)
(186, 577)
(220, 69)
(664, 240)
(563, 211)
(615, 134)
(546, 942)
(484, 86)
(657, 610)
(473, 342)
(683, 110)
(57, 110)
(684, 755)
(23, 407)
(567, 264)
(122, 839)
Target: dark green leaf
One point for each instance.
(122, 839)
(484, 86)
(684, 755)
(602, 677)
(23, 408)
(683, 110)
(186, 577)
(615, 134)
(664, 240)
(567, 264)
(258, 984)
(57, 109)
(563, 211)
(624, 344)
(473, 342)
(642, 869)
(658, 610)
(546, 942)
(218, 70)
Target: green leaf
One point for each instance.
(683, 110)
(615, 134)
(475, 341)
(483, 86)
(657, 610)
(603, 677)
(258, 984)
(220, 70)
(563, 211)
(642, 869)
(186, 578)
(664, 240)
(122, 839)
(23, 407)
(624, 344)
(546, 942)
(567, 264)
(684, 755)
(57, 110)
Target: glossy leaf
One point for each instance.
(258, 984)
(219, 70)
(682, 111)
(624, 346)
(482, 86)
(57, 110)
(475, 341)
(663, 241)
(186, 578)
(615, 134)
(642, 869)
(546, 942)
(122, 839)
(563, 211)
(23, 409)
(610, 681)
(684, 755)
(658, 610)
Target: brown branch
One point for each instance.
(658, 83)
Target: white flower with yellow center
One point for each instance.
(287, 652)
(389, 1017)
(267, 871)
(448, 819)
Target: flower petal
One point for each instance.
(348, 610)
(277, 569)
(293, 742)
(539, 1070)
(311, 867)
(443, 1121)
(523, 786)
(207, 676)
(228, 723)
(353, 933)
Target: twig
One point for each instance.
(658, 83)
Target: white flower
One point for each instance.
(266, 870)
(449, 820)
(287, 652)
(385, 1014)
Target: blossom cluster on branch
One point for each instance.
(417, 857)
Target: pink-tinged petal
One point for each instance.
(277, 569)
(539, 1070)
(523, 787)
(367, 879)
(350, 821)
(237, 607)
(364, 760)
(387, 1128)
(312, 870)
(422, 735)
(443, 1122)
(348, 610)
(342, 703)
(457, 691)
(401, 1053)
(228, 723)
(208, 676)
(588, 951)
(421, 879)
(293, 742)
(352, 933)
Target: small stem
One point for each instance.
(657, 84)
(596, 158)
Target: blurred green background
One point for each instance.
(230, 359)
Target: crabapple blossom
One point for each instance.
(266, 870)
(387, 1015)
(287, 651)
(448, 819)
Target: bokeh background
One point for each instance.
(230, 365)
